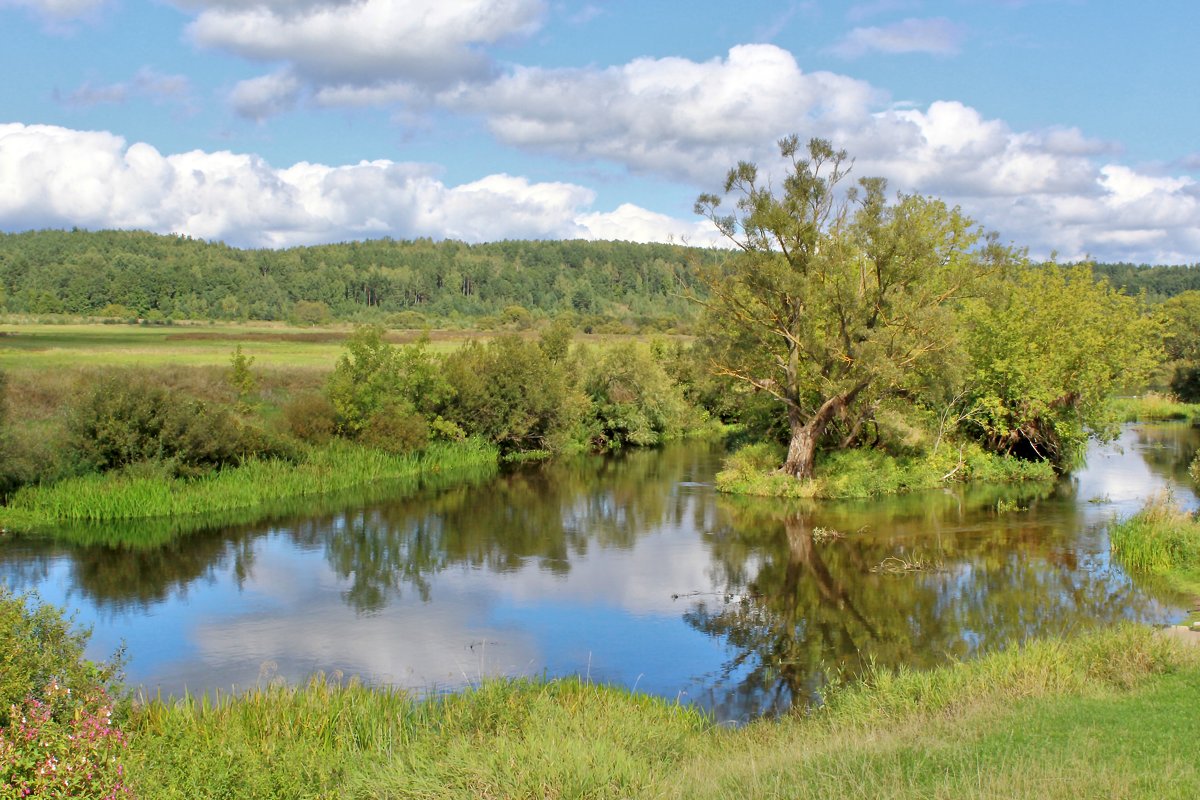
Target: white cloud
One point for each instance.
(57, 177)
(671, 116)
(57, 10)
(935, 36)
(690, 121)
(422, 44)
(265, 96)
(860, 11)
(146, 83)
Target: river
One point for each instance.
(628, 570)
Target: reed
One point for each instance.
(256, 484)
(570, 738)
(1153, 407)
(1161, 539)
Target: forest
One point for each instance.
(613, 286)
(138, 275)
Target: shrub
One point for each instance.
(396, 429)
(310, 312)
(59, 734)
(510, 393)
(634, 400)
(372, 374)
(310, 417)
(124, 420)
(243, 381)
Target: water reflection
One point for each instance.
(627, 569)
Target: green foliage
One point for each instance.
(632, 285)
(1048, 346)
(310, 312)
(134, 494)
(867, 472)
(1152, 407)
(243, 381)
(373, 375)
(510, 393)
(58, 735)
(1160, 539)
(945, 732)
(555, 339)
(634, 400)
(396, 428)
(124, 420)
(310, 417)
(829, 307)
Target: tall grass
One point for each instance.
(868, 473)
(1161, 539)
(1153, 407)
(134, 494)
(568, 738)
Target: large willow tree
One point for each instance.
(839, 296)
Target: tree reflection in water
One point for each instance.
(791, 608)
(804, 610)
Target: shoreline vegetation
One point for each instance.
(851, 474)
(257, 485)
(1154, 407)
(1162, 541)
(1006, 723)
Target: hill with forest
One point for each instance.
(125, 274)
(140, 275)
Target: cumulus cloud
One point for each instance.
(420, 44)
(57, 177)
(690, 121)
(675, 117)
(935, 36)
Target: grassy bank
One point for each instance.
(1153, 407)
(1161, 540)
(868, 473)
(1100, 715)
(257, 484)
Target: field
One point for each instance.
(44, 347)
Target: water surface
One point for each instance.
(628, 570)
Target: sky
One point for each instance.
(1068, 127)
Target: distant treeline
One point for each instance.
(1159, 282)
(125, 274)
(134, 274)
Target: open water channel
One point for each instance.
(628, 570)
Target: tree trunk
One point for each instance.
(802, 450)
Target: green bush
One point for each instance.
(396, 429)
(310, 417)
(124, 420)
(372, 374)
(634, 400)
(59, 734)
(510, 393)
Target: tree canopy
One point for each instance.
(838, 297)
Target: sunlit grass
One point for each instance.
(1162, 540)
(860, 473)
(1104, 710)
(1152, 407)
(258, 483)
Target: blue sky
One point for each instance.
(1066, 126)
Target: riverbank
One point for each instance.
(1153, 407)
(1161, 540)
(258, 484)
(1095, 715)
(865, 472)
